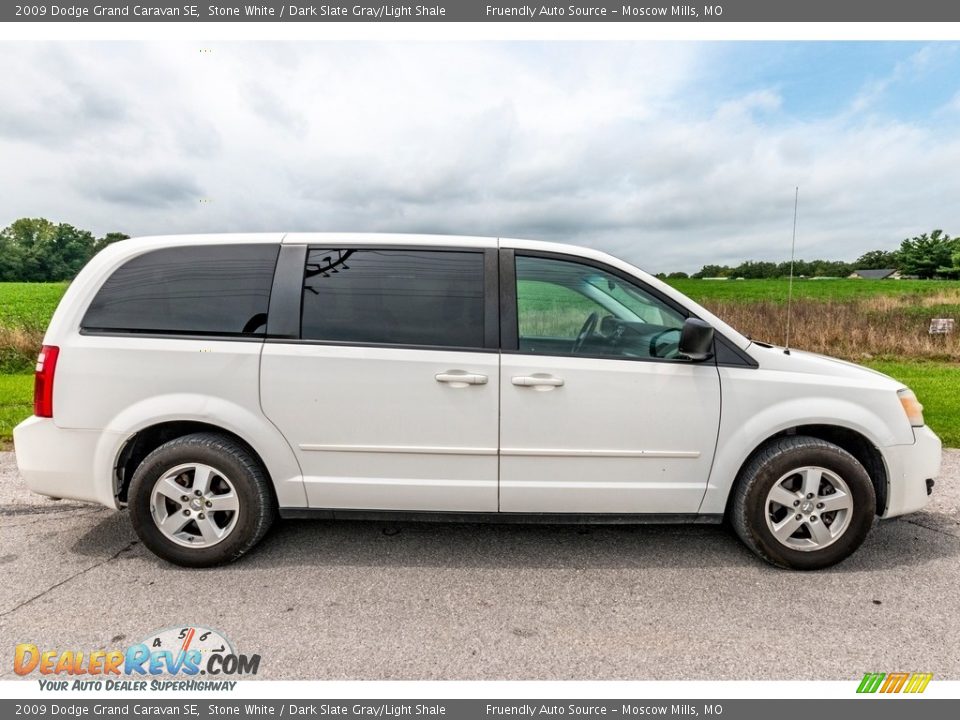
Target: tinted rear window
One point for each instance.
(199, 290)
(396, 297)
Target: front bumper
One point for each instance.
(908, 469)
(64, 463)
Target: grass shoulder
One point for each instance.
(16, 404)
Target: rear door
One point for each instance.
(598, 414)
(386, 383)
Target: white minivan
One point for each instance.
(212, 383)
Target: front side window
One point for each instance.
(192, 290)
(566, 308)
(428, 298)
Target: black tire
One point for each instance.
(257, 506)
(749, 511)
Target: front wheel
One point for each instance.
(201, 500)
(803, 503)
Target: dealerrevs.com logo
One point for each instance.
(154, 663)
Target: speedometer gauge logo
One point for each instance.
(195, 638)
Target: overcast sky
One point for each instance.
(671, 155)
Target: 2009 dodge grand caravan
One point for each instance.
(211, 383)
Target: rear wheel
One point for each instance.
(201, 500)
(803, 503)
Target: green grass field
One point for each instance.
(840, 290)
(937, 385)
(25, 309)
(29, 305)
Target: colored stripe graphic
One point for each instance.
(894, 682)
(918, 682)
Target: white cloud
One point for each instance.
(741, 108)
(610, 145)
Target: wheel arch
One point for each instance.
(853, 441)
(158, 419)
(146, 440)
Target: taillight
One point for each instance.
(43, 381)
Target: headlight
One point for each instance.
(911, 406)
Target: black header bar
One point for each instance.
(891, 11)
(212, 707)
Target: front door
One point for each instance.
(598, 412)
(389, 398)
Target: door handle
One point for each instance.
(458, 378)
(537, 380)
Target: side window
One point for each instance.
(566, 308)
(396, 297)
(191, 290)
(551, 310)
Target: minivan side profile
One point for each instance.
(210, 384)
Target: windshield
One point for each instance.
(639, 305)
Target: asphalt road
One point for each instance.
(351, 600)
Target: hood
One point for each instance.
(772, 357)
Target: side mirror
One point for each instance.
(696, 340)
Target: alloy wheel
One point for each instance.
(809, 508)
(194, 505)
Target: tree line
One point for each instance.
(38, 250)
(925, 256)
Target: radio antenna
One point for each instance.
(793, 250)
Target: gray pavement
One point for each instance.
(353, 600)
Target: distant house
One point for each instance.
(885, 274)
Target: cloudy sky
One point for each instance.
(668, 154)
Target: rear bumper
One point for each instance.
(908, 469)
(64, 463)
